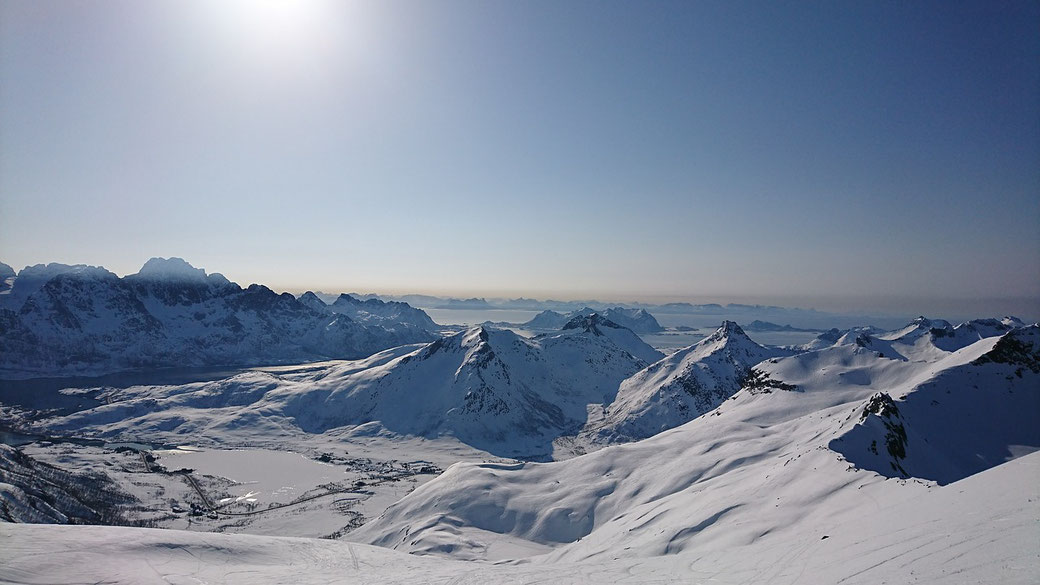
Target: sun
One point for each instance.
(273, 32)
(277, 21)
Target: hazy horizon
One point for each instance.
(879, 306)
(851, 157)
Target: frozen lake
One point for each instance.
(260, 475)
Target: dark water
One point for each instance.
(16, 439)
(46, 393)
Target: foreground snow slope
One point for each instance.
(758, 467)
(979, 530)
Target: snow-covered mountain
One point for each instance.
(373, 311)
(962, 420)
(388, 314)
(491, 389)
(60, 319)
(682, 386)
(753, 486)
(876, 457)
(599, 326)
(547, 320)
(638, 320)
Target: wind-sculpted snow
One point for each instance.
(765, 465)
(61, 319)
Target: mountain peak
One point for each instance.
(345, 298)
(172, 268)
(590, 323)
(728, 329)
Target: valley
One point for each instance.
(522, 451)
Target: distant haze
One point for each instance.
(843, 156)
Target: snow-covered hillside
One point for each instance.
(979, 530)
(881, 457)
(782, 461)
(31, 491)
(682, 386)
(491, 389)
(60, 319)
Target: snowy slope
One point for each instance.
(829, 466)
(761, 466)
(547, 320)
(682, 386)
(979, 530)
(73, 319)
(491, 389)
(967, 418)
(34, 492)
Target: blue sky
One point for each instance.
(875, 156)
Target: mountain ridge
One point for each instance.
(62, 320)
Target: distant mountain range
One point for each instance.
(734, 311)
(57, 319)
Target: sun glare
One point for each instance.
(279, 32)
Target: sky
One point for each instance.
(837, 155)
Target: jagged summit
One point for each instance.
(384, 313)
(590, 323)
(728, 329)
